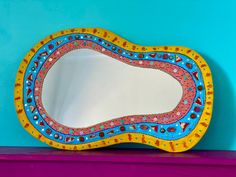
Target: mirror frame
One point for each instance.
(175, 131)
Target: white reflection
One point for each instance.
(85, 87)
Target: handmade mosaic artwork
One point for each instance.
(174, 131)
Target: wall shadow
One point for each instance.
(221, 132)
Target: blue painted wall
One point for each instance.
(206, 26)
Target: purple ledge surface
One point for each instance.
(45, 162)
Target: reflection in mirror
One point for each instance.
(85, 87)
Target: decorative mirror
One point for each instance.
(88, 88)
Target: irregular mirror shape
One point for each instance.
(86, 87)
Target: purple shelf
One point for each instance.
(44, 162)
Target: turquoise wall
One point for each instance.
(206, 26)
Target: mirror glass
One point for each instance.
(86, 87)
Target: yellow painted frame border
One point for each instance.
(178, 145)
